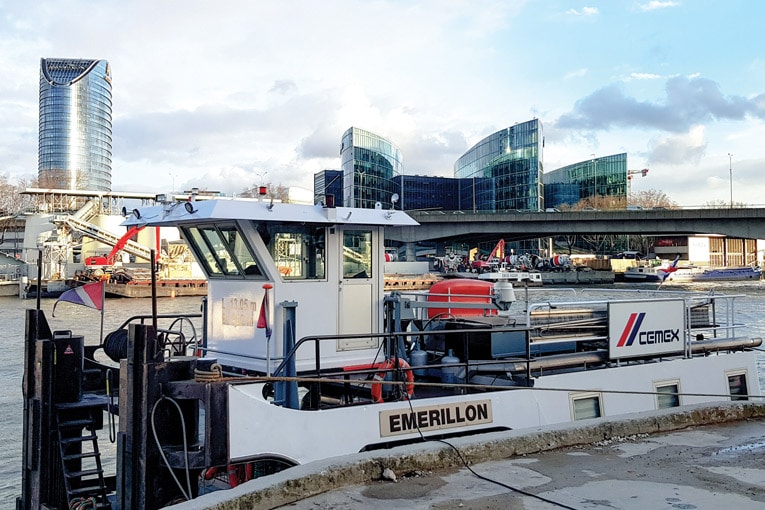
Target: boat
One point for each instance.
(304, 357)
(504, 274)
(642, 273)
(715, 274)
(691, 274)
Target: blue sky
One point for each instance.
(222, 95)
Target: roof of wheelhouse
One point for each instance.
(180, 213)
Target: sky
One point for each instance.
(231, 94)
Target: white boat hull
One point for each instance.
(259, 429)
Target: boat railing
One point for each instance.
(522, 363)
(708, 315)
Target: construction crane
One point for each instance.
(631, 173)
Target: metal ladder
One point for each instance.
(81, 467)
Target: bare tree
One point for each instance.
(277, 192)
(652, 198)
(599, 202)
(722, 204)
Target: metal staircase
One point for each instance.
(81, 461)
(94, 232)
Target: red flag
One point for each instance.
(90, 295)
(263, 317)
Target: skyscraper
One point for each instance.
(507, 169)
(75, 136)
(369, 164)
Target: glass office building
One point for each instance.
(512, 160)
(370, 164)
(75, 135)
(605, 176)
(426, 193)
(328, 182)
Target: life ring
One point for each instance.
(379, 377)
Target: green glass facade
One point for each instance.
(512, 160)
(605, 176)
(75, 124)
(370, 164)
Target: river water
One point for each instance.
(85, 321)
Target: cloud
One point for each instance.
(654, 5)
(644, 76)
(432, 153)
(324, 142)
(579, 73)
(688, 101)
(686, 148)
(284, 87)
(585, 12)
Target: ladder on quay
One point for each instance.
(81, 461)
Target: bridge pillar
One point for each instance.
(411, 252)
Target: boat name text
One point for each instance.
(238, 311)
(444, 416)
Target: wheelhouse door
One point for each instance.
(358, 288)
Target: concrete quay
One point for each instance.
(577, 277)
(697, 457)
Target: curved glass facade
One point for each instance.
(369, 164)
(75, 136)
(511, 159)
(606, 176)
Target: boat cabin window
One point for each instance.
(222, 251)
(299, 251)
(357, 254)
(737, 386)
(586, 406)
(667, 394)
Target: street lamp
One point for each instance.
(730, 169)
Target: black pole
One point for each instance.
(154, 290)
(39, 277)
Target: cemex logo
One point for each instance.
(632, 331)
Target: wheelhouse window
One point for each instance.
(737, 386)
(586, 406)
(298, 251)
(357, 254)
(667, 394)
(222, 251)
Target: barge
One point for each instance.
(303, 356)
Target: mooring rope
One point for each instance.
(205, 376)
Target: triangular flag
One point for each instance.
(90, 295)
(263, 316)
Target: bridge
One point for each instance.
(519, 225)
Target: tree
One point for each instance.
(599, 202)
(12, 204)
(278, 192)
(652, 198)
(12, 201)
(722, 204)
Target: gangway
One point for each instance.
(95, 232)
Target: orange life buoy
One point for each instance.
(380, 376)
